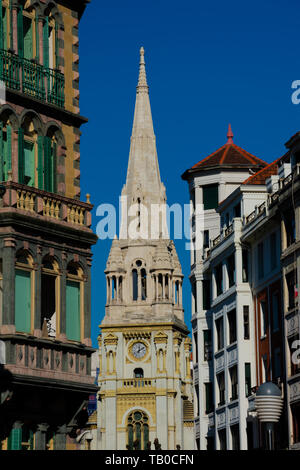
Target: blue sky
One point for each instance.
(207, 65)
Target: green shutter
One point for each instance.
(6, 149)
(37, 37)
(20, 32)
(27, 28)
(1, 153)
(21, 155)
(73, 310)
(40, 163)
(54, 166)
(29, 164)
(4, 29)
(1, 26)
(8, 140)
(47, 164)
(46, 42)
(23, 301)
(15, 439)
(56, 46)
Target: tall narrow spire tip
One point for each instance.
(142, 83)
(229, 135)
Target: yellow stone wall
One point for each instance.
(69, 57)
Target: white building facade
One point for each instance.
(222, 310)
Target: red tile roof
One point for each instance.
(229, 154)
(261, 176)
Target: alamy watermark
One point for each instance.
(152, 221)
(296, 94)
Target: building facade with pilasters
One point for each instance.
(45, 234)
(145, 376)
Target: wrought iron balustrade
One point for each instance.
(32, 79)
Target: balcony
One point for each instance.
(32, 78)
(39, 203)
(223, 235)
(38, 358)
(140, 385)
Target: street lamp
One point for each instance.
(269, 404)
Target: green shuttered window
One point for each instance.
(15, 439)
(73, 310)
(23, 301)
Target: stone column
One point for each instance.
(40, 436)
(163, 286)
(60, 438)
(8, 307)
(14, 24)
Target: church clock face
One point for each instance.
(139, 350)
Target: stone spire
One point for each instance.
(143, 176)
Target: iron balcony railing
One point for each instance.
(32, 78)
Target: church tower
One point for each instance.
(145, 376)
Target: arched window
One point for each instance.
(139, 280)
(49, 297)
(144, 284)
(138, 373)
(134, 284)
(137, 430)
(74, 294)
(23, 291)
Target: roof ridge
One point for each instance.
(225, 153)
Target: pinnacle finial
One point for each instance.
(142, 83)
(229, 135)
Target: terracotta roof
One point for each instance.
(261, 176)
(229, 155)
